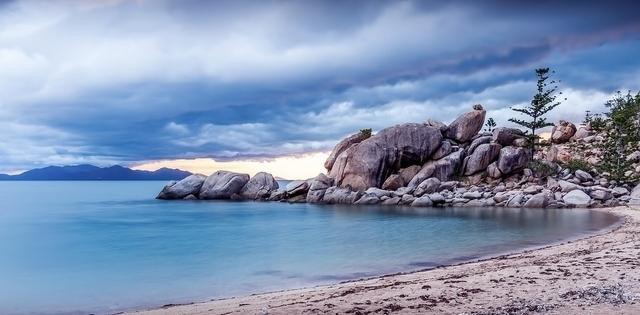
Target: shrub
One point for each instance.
(542, 169)
(621, 136)
(366, 132)
(578, 164)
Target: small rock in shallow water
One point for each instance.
(472, 195)
(423, 201)
(391, 201)
(368, 200)
(436, 198)
(537, 201)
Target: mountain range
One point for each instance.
(91, 172)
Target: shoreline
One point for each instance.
(423, 290)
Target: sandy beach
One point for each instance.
(594, 275)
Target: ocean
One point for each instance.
(78, 247)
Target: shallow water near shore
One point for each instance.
(102, 247)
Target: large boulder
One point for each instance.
(513, 159)
(436, 124)
(601, 194)
(506, 136)
(444, 150)
(583, 176)
(481, 157)
(369, 163)
(582, 133)
(223, 185)
(343, 145)
(259, 186)
(408, 173)
(378, 192)
(337, 195)
(317, 188)
(562, 132)
(393, 182)
(188, 186)
(297, 187)
(566, 186)
(443, 169)
(476, 142)
(557, 153)
(577, 198)
(368, 200)
(428, 186)
(465, 127)
(493, 171)
(540, 200)
(423, 201)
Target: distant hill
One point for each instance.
(91, 172)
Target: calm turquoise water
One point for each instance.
(78, 247)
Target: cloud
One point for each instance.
(176, 129)
(239, 79)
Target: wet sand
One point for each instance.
(598, 274)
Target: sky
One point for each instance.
(250, 85)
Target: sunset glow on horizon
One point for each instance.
(287, 167)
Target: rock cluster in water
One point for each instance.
(432, 164)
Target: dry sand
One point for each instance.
(595, 275)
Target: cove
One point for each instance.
(102, 247)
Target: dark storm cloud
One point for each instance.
(124, 81)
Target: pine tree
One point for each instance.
(490, 125)
(622, 134)
(543, 102)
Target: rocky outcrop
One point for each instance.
(343, 145)
(369, 163)
(318, 187)
(512, 159)
(178, 190)
(416, 165)
(259, 186)
(481, 157)
(465, 127)
(223, 185)
(562, 132)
